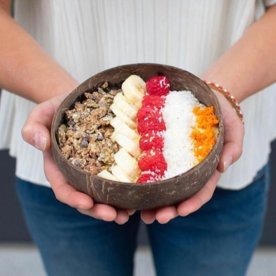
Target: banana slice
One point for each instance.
(120, 174)
(122, 103)
(127, 163)
(123, 116)
(106, 174)
(130, 146)
(134, 90)
(121, 127)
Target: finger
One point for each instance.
(122, 217)
(204, 195)
(36, 129)
(63, 191)
(148, 216)
(164, 215)
(100, 211)
(233, 142)
(233, 134)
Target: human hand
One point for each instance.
(232, 150)
(36, 132)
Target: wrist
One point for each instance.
(230, 82)
(228, 96)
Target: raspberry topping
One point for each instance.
(154, 101)
(151, 124)
(159, 86)
(147, 178)
(151, 140)
(146, 112)
(154, 161)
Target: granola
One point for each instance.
(84, 137)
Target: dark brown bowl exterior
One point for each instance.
(150, 195)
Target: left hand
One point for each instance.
(232, 150)
(36, 132)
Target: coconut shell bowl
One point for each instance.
(133, 195)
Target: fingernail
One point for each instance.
(40, 141)
(227, 163)
(131, 212)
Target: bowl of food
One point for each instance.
(138, 136)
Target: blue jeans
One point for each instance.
(217, 240)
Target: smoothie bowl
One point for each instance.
(139, 136)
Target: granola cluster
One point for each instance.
(85, 135)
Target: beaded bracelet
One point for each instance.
(228, 96)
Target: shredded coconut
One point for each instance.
(179, 119)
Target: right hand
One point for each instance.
(232, 150)
(36, 132)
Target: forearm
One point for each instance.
(250, 64)
(26, 69)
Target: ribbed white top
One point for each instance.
(89, 36)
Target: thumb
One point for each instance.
(233, 141)
(36, 130)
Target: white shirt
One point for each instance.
(89, 36)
